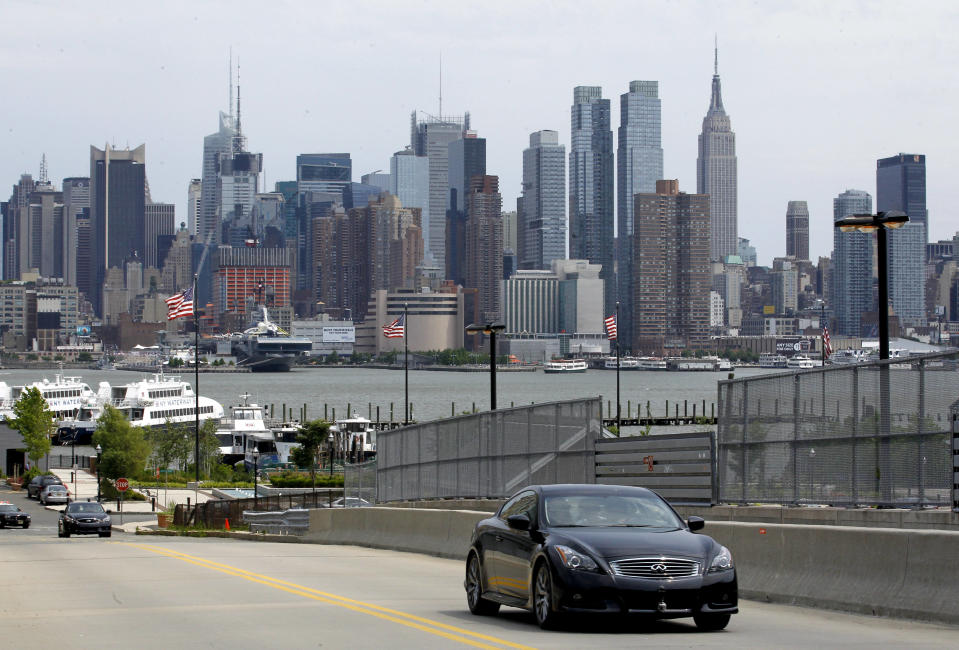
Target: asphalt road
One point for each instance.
(162, 592)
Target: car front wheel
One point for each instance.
(26, 525)
(711, 622)
(474, 590)
(546, 617)
(62, 530)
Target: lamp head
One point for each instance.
(99, 450)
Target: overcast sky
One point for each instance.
(816, 91)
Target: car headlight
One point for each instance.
(574, 559)
(68, 518)
(723, 561)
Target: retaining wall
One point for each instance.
(905, 573)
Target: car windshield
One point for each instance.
(85, 507)
(640, 510)
(7, 508)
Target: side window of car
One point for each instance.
(523, 503)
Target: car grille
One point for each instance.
(88, 521)
(662, 568)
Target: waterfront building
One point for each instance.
(430, 138)
(484, 245)
(435, 320)
(581, 296)
(327, 335)
(531, 302)
(852, 265)
(797, 230)
(247, 277)
(117, 211)
(591, 218)
(541, 232)
(901, 185)
(37, 313)
(467, 158)
(639, 165)
(671, 271)
(716, 172)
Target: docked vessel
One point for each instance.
(246, 420)
(848, 357)
(64, 396)
(690, 363)
(266, 347)
(625, 363)
(355, 438)
(651, 363)
(772, 360)
(800, 362)
(557, 366)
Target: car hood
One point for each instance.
(613, 542)
(86, 515)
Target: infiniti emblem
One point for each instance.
(659, 568)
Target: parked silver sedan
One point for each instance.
(54, 493)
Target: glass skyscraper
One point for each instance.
(591, 186)
(639, 165)
(852, 265)
(541, 235)
(901, 185)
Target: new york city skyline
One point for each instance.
(816, 92)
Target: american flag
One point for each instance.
(611, 327)
(396, 329)
(180, 305)
(826, 347)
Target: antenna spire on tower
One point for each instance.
(441, 86)
(715, 54)
(231, 82)
(43, 168)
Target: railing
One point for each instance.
(65, 461)
(213, 514)
(288, 522)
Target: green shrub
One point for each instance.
(302, 480)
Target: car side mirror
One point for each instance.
(518, 522)
(695, 523)
(109, 511)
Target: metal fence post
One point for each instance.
(743, 450)
(955, 462)
(920, 459)
(855, 436)
(795, 444)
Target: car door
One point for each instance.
(516, 548)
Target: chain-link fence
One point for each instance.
(489, 455)
(860, 434)
(359, 483)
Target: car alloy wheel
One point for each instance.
(543, 598)
(474, 590)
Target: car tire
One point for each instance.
(26, 526)
(106, 534)
(474, 590)
(546, 617)
(711, 622)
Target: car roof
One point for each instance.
(587, 488)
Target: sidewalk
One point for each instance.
(83, 487)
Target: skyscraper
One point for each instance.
(430, 137)
(797, 230)
(901, 185)
(716, 173)
(467, 158)
(591, 221)
(639, 165)
(671, 270)
(541, 235)
(158, 222)
(484, 244)
(410, 181)
(194, 196)
(76, 205)
(852, 265)
(215, 145)
(117, 209)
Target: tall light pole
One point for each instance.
(490, 329)
(99, 451)
(256, 470)
(880, 223)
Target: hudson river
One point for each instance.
(432, 392)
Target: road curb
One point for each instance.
(224, 534)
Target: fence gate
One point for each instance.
(678, 466)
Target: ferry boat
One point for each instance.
(355, 438)
(800, 362)
(64, 396)
(771, 360)
(154, 401)
(625, 363)
(557, 366)
(848, 356)
(651, 363)
(691, 363)
(245, 419)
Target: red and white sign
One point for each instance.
(122, 485)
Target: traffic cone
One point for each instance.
(227, 524)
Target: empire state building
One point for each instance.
(716, 173)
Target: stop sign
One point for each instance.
(121, 484)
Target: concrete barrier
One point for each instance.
(908, 573)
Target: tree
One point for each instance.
(209, 447)
(312, 438)
(35, 422)
(125, 448)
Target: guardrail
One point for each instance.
(288, 522)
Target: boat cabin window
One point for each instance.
(225, 439)
(136, 414)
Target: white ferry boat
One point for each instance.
(355, 438)
(800, 362)
(159, 399)
(245, 419)
(848, 356)
(691, 363)
(651, 363)
(625, 363)
(64, 396)
(772, 360)
(557, 366)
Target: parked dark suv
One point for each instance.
(36, 485)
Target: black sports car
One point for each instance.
(598, 548)
(84, 518)
(11, 515)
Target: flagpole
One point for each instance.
(406, 366)
(196, 380)
(618, 423)
(822, 329)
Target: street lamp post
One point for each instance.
(330, 441)
(880, 223)
(256, 471)
(490, 328)
(99, 451)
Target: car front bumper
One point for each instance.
(15, 521)
(87, 527)
(588, 591)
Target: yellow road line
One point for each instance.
(409, 620)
